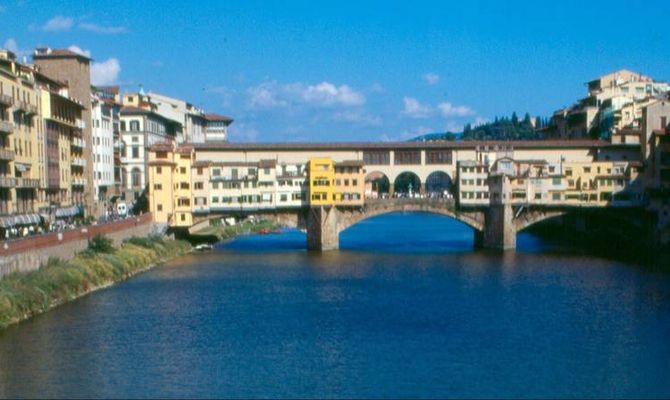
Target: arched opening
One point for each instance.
(408, 232)
(439, 184)
(377, 185)
(407, 184)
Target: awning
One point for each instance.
(27, 219)
(67, 212)
(6, 222)
(14, 220)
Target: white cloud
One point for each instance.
(414, 109)
(11, 45)
(58, 23)
(107, 30)
(449, 110)
(265, 94)
(105, 72)
(325, 94)
(79, 50)
(431, 78)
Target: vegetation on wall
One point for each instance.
(23, 295)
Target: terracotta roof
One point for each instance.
(184, 149)
(198, 164)
(267, 163)
(218, 117)
(534, 144)
(60, 53)
(131, 110)
(349, 163)
(234, 164)
(162, 147)
(162, 162)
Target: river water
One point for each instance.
(406, 309)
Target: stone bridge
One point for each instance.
(495, 226)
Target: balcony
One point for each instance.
(6, 100)
(6, 155)
(79, 123)
(78, 162)
(6, 127)
(7, 182)
(78, 182)
(78, 143)
(26, 107)
(27, 183)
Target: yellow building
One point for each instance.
(349, 183)
(336, 183)
(321, 175)
(162, 168)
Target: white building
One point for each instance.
(105, 125)
(217, 127)
(191, 118)
(140, 129)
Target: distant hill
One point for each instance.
(503, 128)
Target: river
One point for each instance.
(406, 309)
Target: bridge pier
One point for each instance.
(322, 229)
(499, 231)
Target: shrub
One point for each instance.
(101, 244)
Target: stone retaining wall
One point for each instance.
(26, 254)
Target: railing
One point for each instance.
(78, 182)
(7, 181)
(6, 100)
(6, 155)
(27, 182)
(78, 142)
(6, 126)
(79, 162)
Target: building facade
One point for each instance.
(105, 124)
(74, 69)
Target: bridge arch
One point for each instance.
(348, 218)
(407, 182)
(439, 182)
(377, 185)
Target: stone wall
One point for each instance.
(27, 254)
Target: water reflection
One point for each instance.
(397, 312)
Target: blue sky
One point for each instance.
(352, 70)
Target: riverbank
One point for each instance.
(218, 233)
(23, 295)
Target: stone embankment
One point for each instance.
(27, 254)
(25, 294)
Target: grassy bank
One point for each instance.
(23, 295)
(223, 232)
